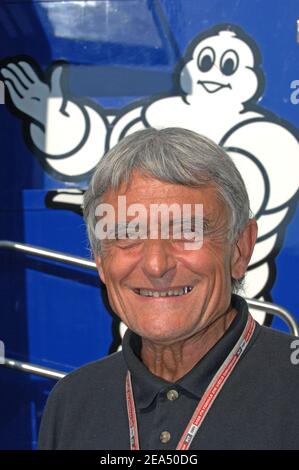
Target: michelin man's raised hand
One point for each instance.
(29, 93)
(58, 125)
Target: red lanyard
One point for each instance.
(205, 402)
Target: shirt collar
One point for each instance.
(146, 385)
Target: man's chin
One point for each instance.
(161, 337)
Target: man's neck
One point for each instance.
(171, 362)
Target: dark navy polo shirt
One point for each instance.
(258, 407)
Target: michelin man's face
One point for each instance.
(222, 67)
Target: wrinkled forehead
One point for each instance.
(145, 190)
(145, 186)
(226, 40)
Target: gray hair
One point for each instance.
(174, 155)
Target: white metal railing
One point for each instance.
(49, 254)
(33, 369)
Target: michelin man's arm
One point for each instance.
(62, 131)
(267, 155)
(274, 151)
(125, 124)
(84, 153)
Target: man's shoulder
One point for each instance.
(82, 401)
(275, 337)
(277, 352)
(93, 377)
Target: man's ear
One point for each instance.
(99, 263)
(243, 249)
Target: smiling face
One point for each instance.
(222, 67)
(161, 291)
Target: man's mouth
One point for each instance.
(173, 292)
(212, 87)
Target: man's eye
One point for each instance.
(128, 243)
(121, 236)
(127, 239)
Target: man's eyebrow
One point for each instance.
(119, 228)
(123, 226)
(192, 219)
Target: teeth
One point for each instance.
(170, 293)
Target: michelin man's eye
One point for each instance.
(229, 62)
(206, 59)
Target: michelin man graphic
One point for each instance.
(220, 80)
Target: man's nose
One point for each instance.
(158, 258)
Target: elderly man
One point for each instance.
(195, 370)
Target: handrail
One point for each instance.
(33, 369)
(56, 256)
(274, 309)
(49, 254)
